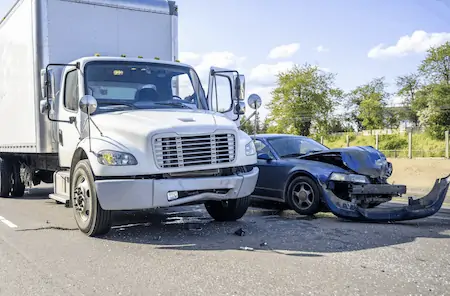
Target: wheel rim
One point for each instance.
(82, 198)
(303, 195)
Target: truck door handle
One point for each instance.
(60, 137)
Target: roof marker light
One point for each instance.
(156, 58)
(124, 55)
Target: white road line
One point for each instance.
(7, 222)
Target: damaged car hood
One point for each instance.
(364, 160)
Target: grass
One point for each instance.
(395, 145)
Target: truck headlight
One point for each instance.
(250, 148)
(352, 178)
(115, 158)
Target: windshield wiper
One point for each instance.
(292, 155)
(119, 104)
(174, 104)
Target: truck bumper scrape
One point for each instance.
(125, 194)
(416, 208)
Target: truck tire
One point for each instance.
(229, 210)
(18, 187)
(5, 178)
(91, 219)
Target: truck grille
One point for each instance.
(171, 152)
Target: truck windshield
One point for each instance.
(141, 85)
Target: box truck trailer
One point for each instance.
(94, 100)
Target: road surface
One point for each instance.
(183, 252)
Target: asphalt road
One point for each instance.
(183, 252)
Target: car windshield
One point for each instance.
(295, 146)
(141, 85)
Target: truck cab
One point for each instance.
(137, 134)
(111, 117)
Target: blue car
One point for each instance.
(351, 182)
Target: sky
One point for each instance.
(356, 39)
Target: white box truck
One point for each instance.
(94, 100)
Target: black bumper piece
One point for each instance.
(381, 189)
(416, 208)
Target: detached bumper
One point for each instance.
(124, 194)
(416, 208)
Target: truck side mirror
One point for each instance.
(254, 101)
(88, 104)
(240, 87)
(240, 108)
(47, 84)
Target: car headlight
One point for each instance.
(250, 148)
(115, 158)
(352, 178)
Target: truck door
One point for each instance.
(222, 95)
(67, 133)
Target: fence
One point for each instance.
(409, 145)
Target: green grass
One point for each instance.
(395, 145)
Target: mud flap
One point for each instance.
(416, 208)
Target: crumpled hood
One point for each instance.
(364, 160)
(148, 121)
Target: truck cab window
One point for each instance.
(221, 95)
(71, 94)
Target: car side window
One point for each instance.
(71, 95)
(263, 148)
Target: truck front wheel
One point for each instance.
(89, 215)
(229, 210)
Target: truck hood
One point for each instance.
(148, 121)
(364, 160)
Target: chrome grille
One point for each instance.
(185, 151)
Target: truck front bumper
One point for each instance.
(135, 194)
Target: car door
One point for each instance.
(270, 180)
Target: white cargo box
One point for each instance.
(35, 33)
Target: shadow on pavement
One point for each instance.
(285, 232)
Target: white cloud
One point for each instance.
(325, 69)
(321, 48)
(284, 51)
(188, 57)
(265, 74)
(419, 42)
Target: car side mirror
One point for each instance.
(264, 156)
(88, 104)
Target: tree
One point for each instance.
(366, 104)
(434, 112)
(436, 66)
(408, 86)
(304, 97)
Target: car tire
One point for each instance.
(303, 196)
(5, 178)
(229, 210)
(91, 219)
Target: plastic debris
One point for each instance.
(246, 248)
(240, 232)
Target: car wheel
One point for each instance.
(303, 196)
(89, 215)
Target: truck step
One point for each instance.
(61, 187)
(60, 198)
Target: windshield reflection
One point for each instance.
(293, 146)
(142, 85)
